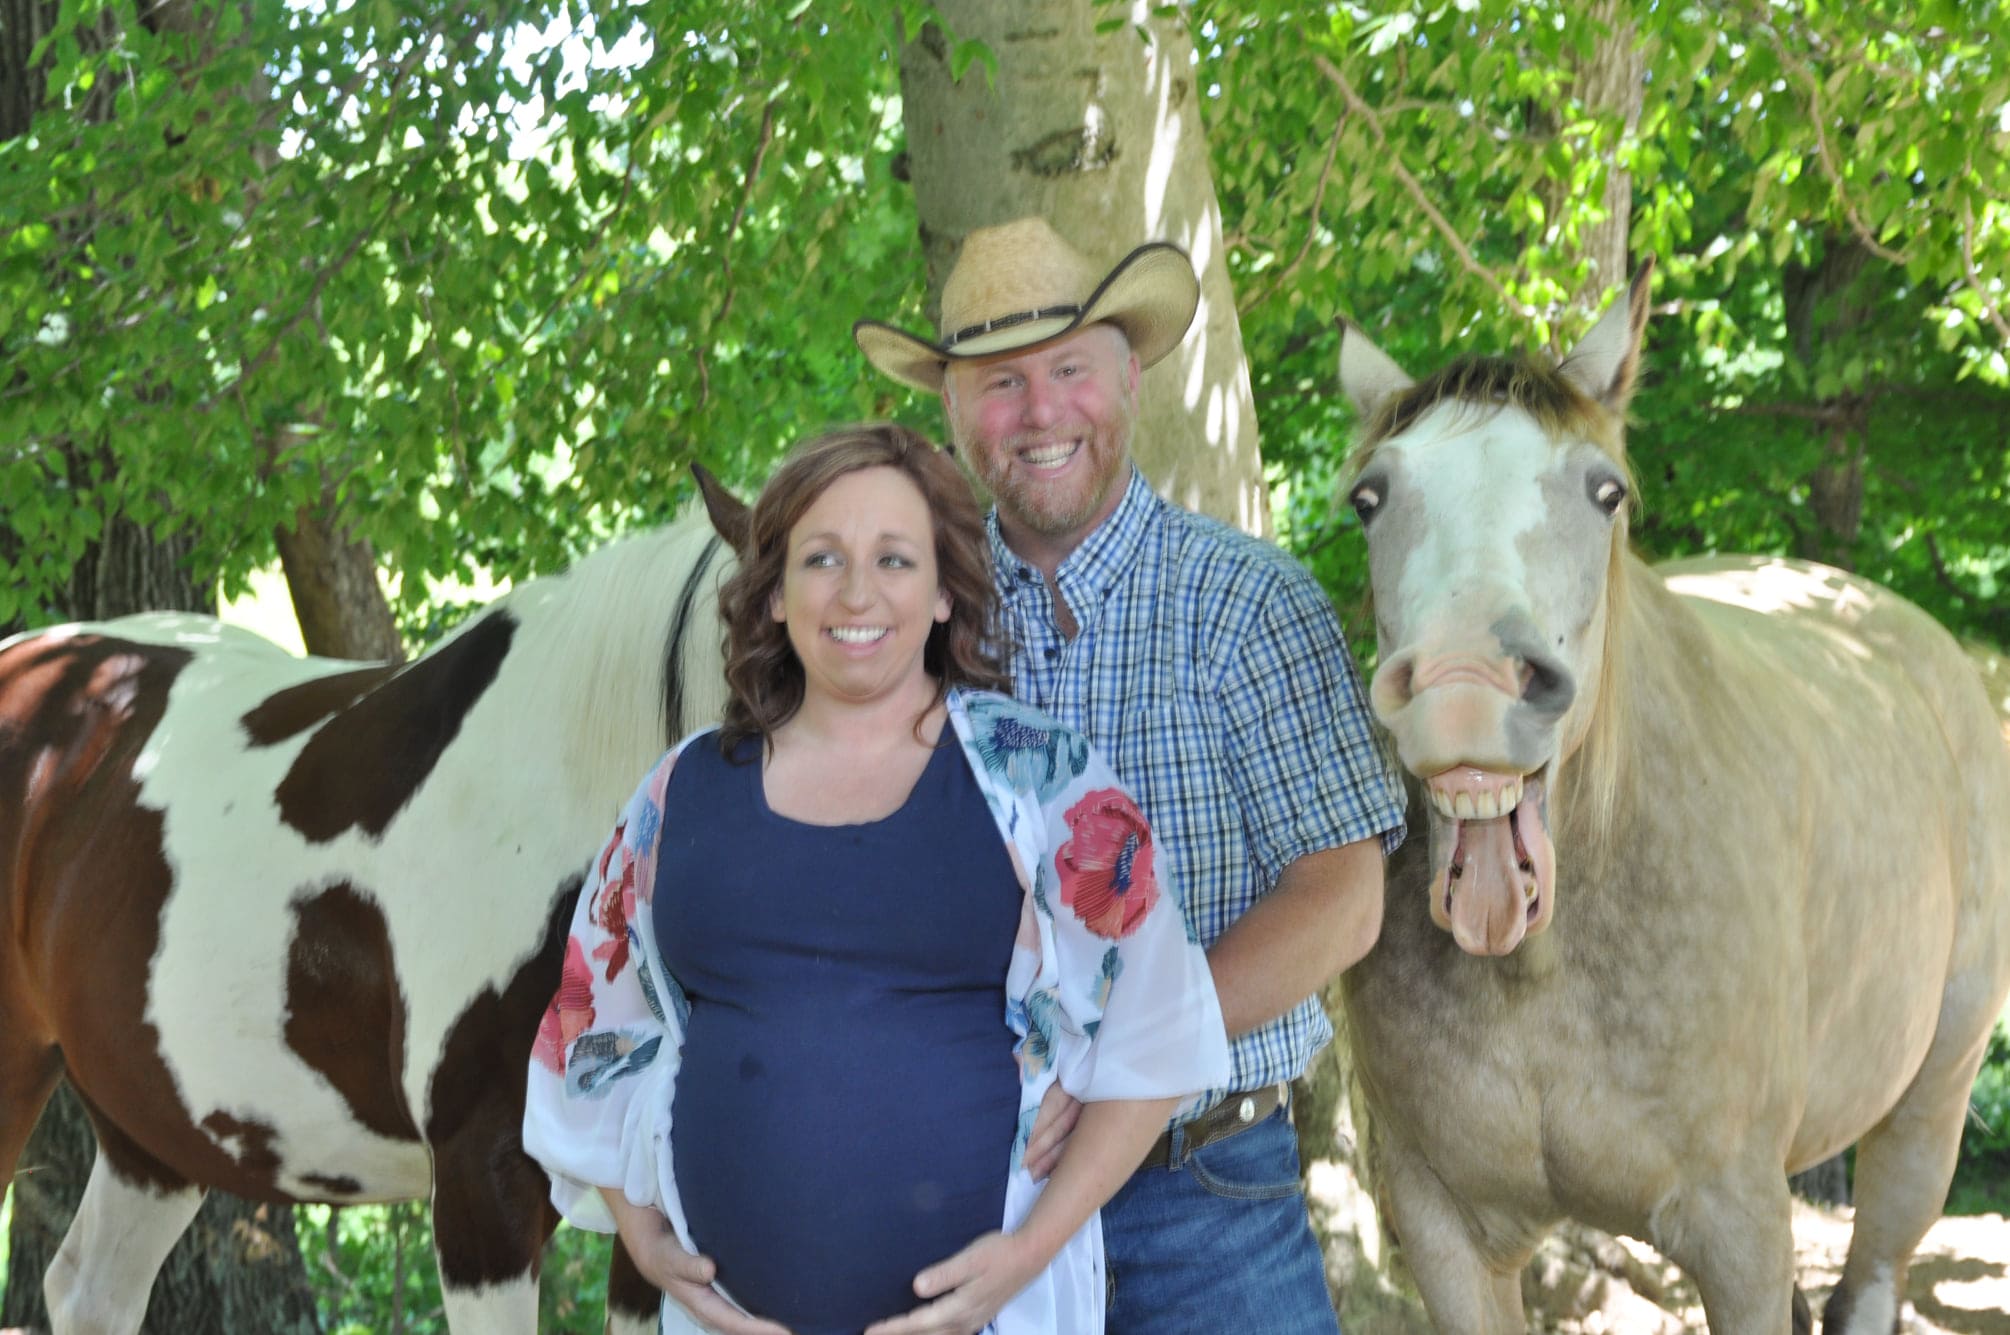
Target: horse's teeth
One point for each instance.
(1463, 808)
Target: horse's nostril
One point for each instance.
(1546, 684)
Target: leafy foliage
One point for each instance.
(499, 269)
(372, 1268)
(1824, 187)
(1982, 1177)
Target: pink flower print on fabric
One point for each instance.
(1106, 865)
(616, 907)
(570, 1013)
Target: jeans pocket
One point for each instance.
(1258, 1165)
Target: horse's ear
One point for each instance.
(730, 515)
(1605, 360)
(1366, 372)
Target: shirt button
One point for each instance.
(1053, 654)
(1246, 1110)
(1026, 574)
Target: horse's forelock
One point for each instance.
(1488, 385)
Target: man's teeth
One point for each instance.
(1042, 455)
(857, 634)
(1478, 806)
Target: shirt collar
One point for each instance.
(1106, 556)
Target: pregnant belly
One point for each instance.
(826, 1154)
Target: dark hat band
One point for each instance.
(1006, 322)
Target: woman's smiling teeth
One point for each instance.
(857, 634)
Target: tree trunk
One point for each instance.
(1824, 306)
(1101, 133)
(238, 1267)
(333, 579)
(1612, 83)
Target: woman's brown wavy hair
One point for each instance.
(763, 674)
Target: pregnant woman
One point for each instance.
(839, 949)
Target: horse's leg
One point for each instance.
(1903, 1167)
(1461, 1292)
(133, 1210)
(491, 1217)
(632, 1301)
(1735, 1238)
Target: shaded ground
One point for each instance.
(1583, 1282)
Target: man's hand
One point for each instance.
(661, 1259)
(1049, 1136)
(968, 1289)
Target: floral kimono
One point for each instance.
(1107, 992)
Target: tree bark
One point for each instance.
(1100, 133)
(1824, 306)
(333, 579)
(1612, 83)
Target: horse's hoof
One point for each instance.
(1804, 1320)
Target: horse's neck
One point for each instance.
(1643, 722)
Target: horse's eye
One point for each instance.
(1366, 500)
(1608, 494)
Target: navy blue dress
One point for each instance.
(846, 1106)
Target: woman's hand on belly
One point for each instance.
(969, 1288)
(652, 1244)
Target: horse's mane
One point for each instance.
(598, 638)
(1480, 386)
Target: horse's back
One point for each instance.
(1899, 768)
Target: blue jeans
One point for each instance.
(1219, 1243)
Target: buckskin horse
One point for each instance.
(289, 925)
(1717, 875)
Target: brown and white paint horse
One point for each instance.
(1717, 879)
(289, 926)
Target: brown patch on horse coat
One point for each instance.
(294, 710)
(87, 880)
(254, 1152)
(482, 1177)
(361, 772)
(345, 1014)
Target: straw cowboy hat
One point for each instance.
(1019, 284)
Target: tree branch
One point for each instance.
(1416, 191)
(761, 143)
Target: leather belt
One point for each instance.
(1236, 1113)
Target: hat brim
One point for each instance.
(1151, 295)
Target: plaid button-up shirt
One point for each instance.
(1210, 668)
